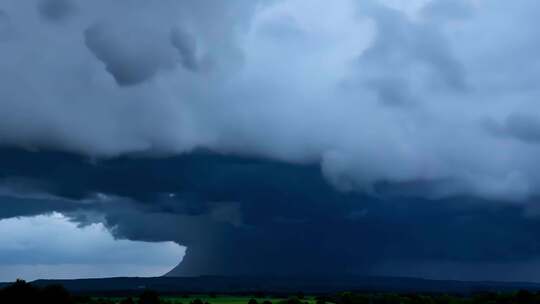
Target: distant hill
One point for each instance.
(280, 285)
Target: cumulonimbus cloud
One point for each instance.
(382, 99)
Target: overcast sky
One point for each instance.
(409, 128)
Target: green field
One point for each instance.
(23, 292)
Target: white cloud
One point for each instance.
(399, 93)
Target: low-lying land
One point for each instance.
(247, 285)
(27, 293)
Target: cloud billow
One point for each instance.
(131, 56)
(225, 208)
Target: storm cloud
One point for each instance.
(239, 216)
(374, 131)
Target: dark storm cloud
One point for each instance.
(18, 207)
(294, 102)
(56, 10)
(244, 215)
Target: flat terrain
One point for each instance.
(207, 285)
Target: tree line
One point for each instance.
(22, 292)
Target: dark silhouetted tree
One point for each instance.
(20, 292)
(258, 295)
(56, 294)
(525, 297)
(149, 297)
